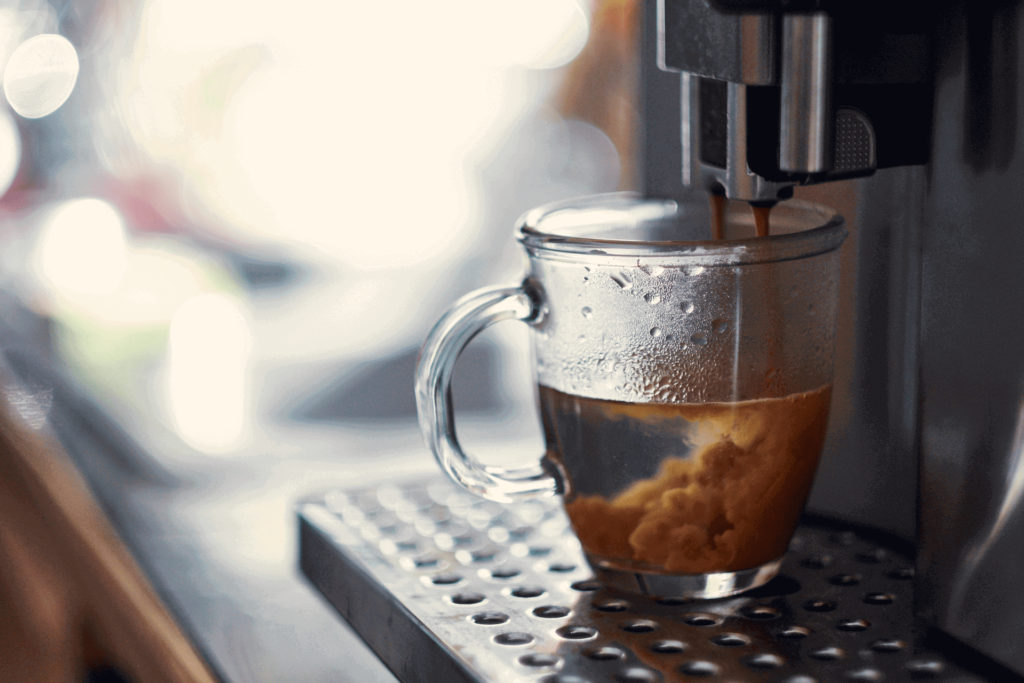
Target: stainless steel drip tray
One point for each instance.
(447, 587)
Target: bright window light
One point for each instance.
(334, 126)
(545, 34)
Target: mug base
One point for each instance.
(686, 586)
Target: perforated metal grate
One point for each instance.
(445, 586)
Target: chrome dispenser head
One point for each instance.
(773, 97)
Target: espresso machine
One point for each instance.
(902, 117)
(754, 98)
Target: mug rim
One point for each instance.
(803, 244)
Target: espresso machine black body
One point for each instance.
(914, 107)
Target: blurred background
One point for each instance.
(226, 227)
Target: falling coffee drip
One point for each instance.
(773, 379)
(717, 216)
(761, 213)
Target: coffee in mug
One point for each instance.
(683, 383)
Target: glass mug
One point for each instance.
(684, 383)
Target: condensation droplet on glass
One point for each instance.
(719, 325)
(695, 271)
(686, 307)
(586, 268)
(587, 312)
(622, 280)
(652, 299)
(655, 331)
(699, 338)
(597, 251)
(653, 271)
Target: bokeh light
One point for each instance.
(40, 75)
(82, 249)
(21, 19)
(10, 151)
(207, 372)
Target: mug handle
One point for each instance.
(464, 320)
